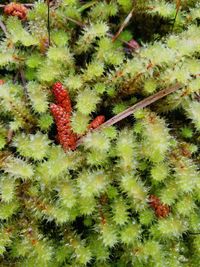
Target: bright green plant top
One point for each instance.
(90, 207)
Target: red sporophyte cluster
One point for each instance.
(66, 137)
(62, 97)
(161, 210)
(61, 111)
(97, 122)
(2, 82)
(17, 10)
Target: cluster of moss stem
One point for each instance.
(93, 206)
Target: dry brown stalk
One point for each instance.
(3, 27)
(142, 104)
(123, 25)
(145, 102)
(26, 4)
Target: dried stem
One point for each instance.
(123, 25)
(10, 135)
(144, 103)
(120, 39)
(87, 5)
(23, 82)
(178, 5)
(16, 77)
(48, 23)
(26, 4)
(3, 27)
(82, 25)
(79, 23)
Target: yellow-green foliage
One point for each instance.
(91, 206)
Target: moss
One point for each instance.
(91, 206)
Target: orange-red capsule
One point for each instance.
(97, 122)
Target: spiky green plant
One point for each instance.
(91, 206)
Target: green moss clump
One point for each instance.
(129, 194)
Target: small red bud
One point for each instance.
(17, 10)
(161, 210)
(97, 122)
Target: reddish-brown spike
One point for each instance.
(65, 135)
(162, 211)
(154, 201)
(62, 97)
(97, 122)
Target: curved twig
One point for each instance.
(26, 4)
(124, 24)
(144, 103)
(82, 25)
(23, 80)
(3, 27)
(48, 23)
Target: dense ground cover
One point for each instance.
(122, 195)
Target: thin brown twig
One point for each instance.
(16, 77)
(3, 27)
(23, 82)
(48, 23)
(123, 25)
(82, 25)
(144, 103)
(10, 135)
(119, 39)
(87, 5)
(79, 23)
(26, 4)
(178, 5)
